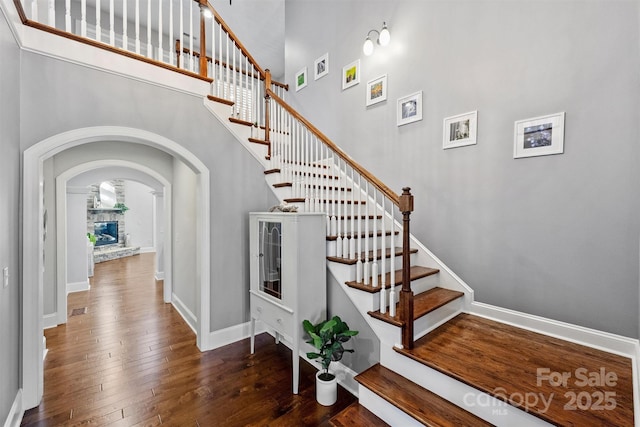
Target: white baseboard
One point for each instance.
(159, 275)
(222, 337)
(147, 250)
(186, 314)
(50, 320)
(14, 417)
(78, 286)
(604, 341)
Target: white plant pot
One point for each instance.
(326, 391)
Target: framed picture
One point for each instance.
(377, 90)
(351, 74)
(539, 136)
(409, 108)
(460, 130)
(321, 66)
(301, 79)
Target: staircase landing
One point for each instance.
(560, 382)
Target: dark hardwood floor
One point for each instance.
(126, 359)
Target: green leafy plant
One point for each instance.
(121, 206)
(327, 337)
(92, 238)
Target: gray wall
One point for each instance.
(139, 217)
(9, 218)
(555, 236)
(58, 96)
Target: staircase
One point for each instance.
(439, 364)
(464, 369)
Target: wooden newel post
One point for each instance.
(203, 39)
(267, 102)
(406, 294)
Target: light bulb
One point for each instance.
(368, 47)
(385, 36)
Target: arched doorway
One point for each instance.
(34, 226)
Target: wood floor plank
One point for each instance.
(131, 360)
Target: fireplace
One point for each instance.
(106, 232)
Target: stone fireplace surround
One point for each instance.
(94, 214)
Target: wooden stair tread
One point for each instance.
(220, 100)
(259, 141)
(418, 402)
(378, 255)
(363, 234)
(240, 121)
(423, 303)
(503, 360)
(356, 415)
(416, 272)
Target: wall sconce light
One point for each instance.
(384, 37)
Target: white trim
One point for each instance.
(222, 337)
(50, 320)
(604, 341)
(159, 275)
(147, 250)
(78, 286)
(14, 417)
(184, 311)
(32, 377)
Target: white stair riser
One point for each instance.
(473, 400)
(431, 321)
(347, 273)
(384, 410)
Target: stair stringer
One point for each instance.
(471, 399)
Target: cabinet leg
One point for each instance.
(296, 369)
(277, 338)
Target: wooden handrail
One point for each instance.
(224, 64)
(390, 194)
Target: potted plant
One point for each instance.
(327, 337)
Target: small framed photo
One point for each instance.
(460, 130)
(377, 90)
(301, 79)
(321, 66)
(409, 108)
(539, 136)
(351, 74)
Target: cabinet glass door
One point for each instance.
(270, 242)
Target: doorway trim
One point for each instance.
(61, 217)
(33, 228)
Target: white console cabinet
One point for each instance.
(288, 275)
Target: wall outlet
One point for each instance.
(5, 275)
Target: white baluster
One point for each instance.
(149, 45)
(359, 221)
(67, 16)
(392, 269)
(374, 258)
(333, 221)
(345, 210)
(191, 62)
(383, 276)
(83, 18)
(227, 71)
(220, 84)
(98, 26)
(171, 45)
(138, 28)
(235, 84)
(366, 265)
(52, 13)
(112, 24)
(309, 200)
(34, 10)
(160, 32)
(352, 241)
(125, 38)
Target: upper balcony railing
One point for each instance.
(168, 33)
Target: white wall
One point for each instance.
(139, 217)
(555, 236)
(9, 219)
(77, 261)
